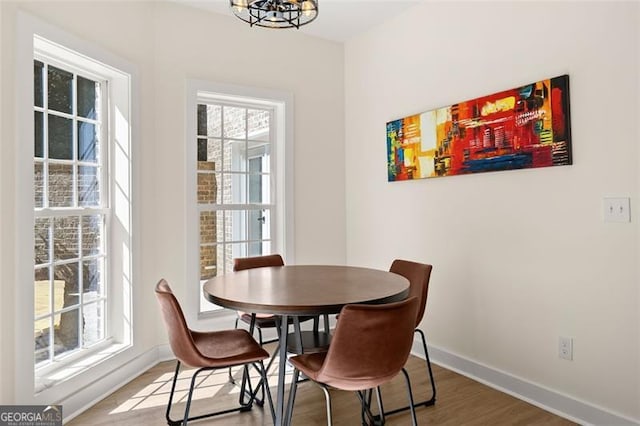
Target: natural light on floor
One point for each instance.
(208, 384)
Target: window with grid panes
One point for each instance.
(234, 178)
(71, 211)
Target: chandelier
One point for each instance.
(275, 13)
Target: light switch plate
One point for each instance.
(616, 209)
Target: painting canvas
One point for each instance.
(520, 128)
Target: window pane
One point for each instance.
(235, 156)
(88, 186)
(220, 237)
(60, 88)
(38, 184)
(60, 185)
(41, 231)
(42, 292)
(94, 317)
(60, 138)
(208, 262)
(266, 224)
(258, 120)
(66, 337)
(38, 134)
(259, 224)
(208, 227)
(68, 275)
(259, 152)
(260, 249)
(214, 154)
(37, 83)
(41, 334)
(235, 189)
(87, 142)
(202, 120)
(87, 90)
(209, 120)
(235, 225)
(208, 188)
(92, 280)
(228, 252)
(202, 149)
(65, 237)
(91, 235)
(235, 124)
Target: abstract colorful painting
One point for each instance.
(521, 128)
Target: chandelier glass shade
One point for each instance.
(275, 13)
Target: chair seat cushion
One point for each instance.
(225, 348)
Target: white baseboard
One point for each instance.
(553, 401)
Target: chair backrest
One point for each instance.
(180, 338)
(242, 263)
(418, 275)
(370, 345)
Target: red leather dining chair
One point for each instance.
(355, 361)
(418, 275)
(207, 351)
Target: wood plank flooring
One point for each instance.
(460, 401)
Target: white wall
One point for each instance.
(170, 43)
(520, 257)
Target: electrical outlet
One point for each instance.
(565, 348)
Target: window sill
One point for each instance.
(60, 371)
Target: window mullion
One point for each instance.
(51, 276)
(247, 170)
(45, 135)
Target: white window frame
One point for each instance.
(64, 378)
(281, 181)
(43, 50)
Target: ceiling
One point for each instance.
(338, 20)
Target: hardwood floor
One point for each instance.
(460, 401)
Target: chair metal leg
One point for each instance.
(431, 400)
(366, 415)
(414, 421)
(380, 406)
(327, 398)
(231, 379)
(173, 388)
(246, 382)
(365, 411)
(243, 407)
(265, 385)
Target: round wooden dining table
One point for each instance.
(302, 290)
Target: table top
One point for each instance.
(304, 289)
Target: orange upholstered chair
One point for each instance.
(355, 360)
(207, 351)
